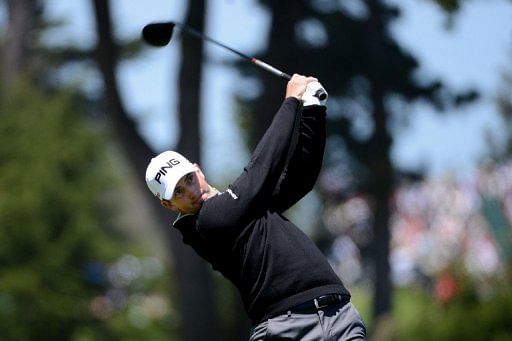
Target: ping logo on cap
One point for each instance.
(163, 170)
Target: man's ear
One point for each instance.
(167, 204)
(199, 172)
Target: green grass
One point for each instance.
(408, 304)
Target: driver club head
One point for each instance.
(158, 34)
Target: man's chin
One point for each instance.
(196, 207)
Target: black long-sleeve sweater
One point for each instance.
(243, 233)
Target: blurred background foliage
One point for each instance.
(67, 271)
(84, 255)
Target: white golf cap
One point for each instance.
(164, 171)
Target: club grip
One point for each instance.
(321, 94)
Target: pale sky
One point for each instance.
(473, 54)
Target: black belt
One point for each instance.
(321, 302)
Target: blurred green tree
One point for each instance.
(54, 215)
(56, 182)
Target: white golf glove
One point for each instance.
(315, 94)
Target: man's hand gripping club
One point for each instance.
(306, 89)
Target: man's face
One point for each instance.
(190, 193)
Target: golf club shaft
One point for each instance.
(270, 68)
(255, 61)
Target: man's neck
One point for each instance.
(213, 192)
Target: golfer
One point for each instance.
(288, 288)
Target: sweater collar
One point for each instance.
(184, 220)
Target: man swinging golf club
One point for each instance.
(288, 288)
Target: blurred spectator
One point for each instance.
(434, 223)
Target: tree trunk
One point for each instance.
(380, 166)
(280, 44)
(21, 21)
(195, 300)
(381, 191)
(196, 282)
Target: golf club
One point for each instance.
(160, 34)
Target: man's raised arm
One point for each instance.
(301, 172)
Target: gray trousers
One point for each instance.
(336, 322)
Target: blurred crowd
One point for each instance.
(129, 285)
(436, 225)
